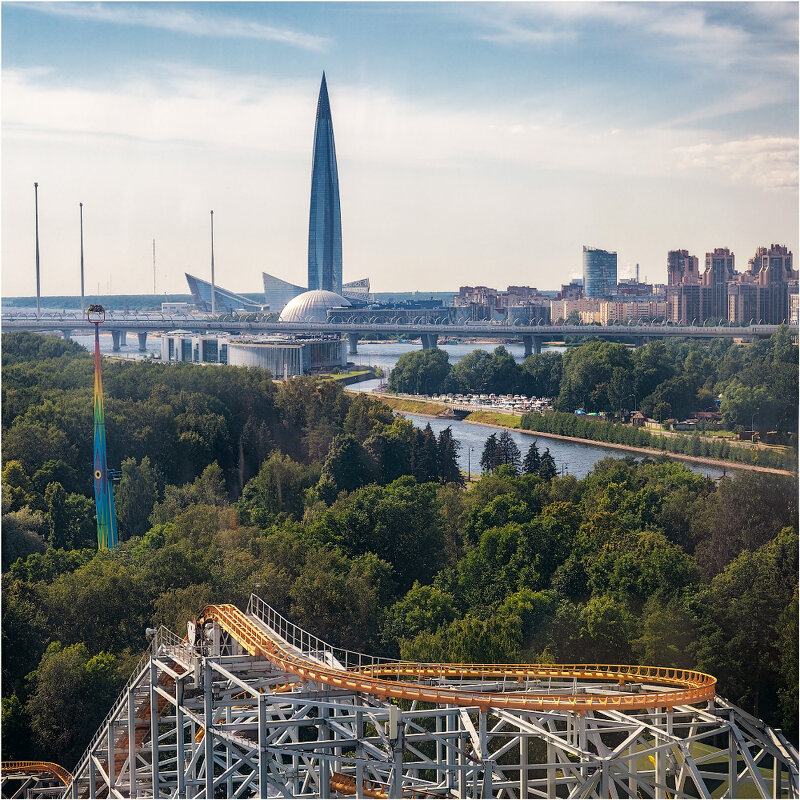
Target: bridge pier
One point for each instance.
(66, 333)
(142, 341)
(353, 340)
(533, 344)
(429, 340)
(116, 340)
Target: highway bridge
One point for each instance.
(249, 704)
(532, 336)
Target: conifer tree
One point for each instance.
(547, 468)
(533, 460)
(424, 456)
(489, 455)
(447, 458)
(507, 452)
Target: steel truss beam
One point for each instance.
(213, 720)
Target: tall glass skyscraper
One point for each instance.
(599, 272)
(325, 219)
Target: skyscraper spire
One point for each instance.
(325, 220)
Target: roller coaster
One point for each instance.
(248, 704)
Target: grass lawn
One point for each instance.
(495, 418)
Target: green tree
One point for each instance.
(278, 488)
(346, 467)
(447, 448)
(544, 374)
(489, 454)
(507, 452)
(55, 499)
(424, 455)
(532, 461)
(18, 489)
(420, 372)
(589, 379)
(135, 497)
(22, 535)
(547, 466)
(472, 371)
(71, 693)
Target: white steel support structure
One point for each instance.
(217, 720)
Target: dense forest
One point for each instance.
(758, 382)
(358, 526)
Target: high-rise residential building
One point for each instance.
(718, 273)
(325, 219)
(682, 268)
(599, 272)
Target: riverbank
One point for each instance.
(495, 419)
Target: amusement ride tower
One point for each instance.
(103, 489)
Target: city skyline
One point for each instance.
(477, 144)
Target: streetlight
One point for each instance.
(469, 465)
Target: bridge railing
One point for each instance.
(309, 644)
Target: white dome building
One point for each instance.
(312, 306)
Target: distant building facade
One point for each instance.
(760, 294)
(325, 218)
(518, 305)
(599, 272)
(225, 301)
(283, 356)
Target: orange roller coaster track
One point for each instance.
(666, 687)
(37, 767)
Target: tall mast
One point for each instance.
(83, 301)
(213, 289)
(103, 488)
(38, 292)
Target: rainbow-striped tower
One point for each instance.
(103, 489)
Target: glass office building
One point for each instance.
(325, 220)
(599, 272)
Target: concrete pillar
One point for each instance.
(123, 338)
(142, 341)
(116, 337)
(429, 340)
(537, 344)
(527, 340)
(66, 333)
(353, 339)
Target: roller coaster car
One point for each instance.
(96, 314)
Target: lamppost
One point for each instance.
(469, 465)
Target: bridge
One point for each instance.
(249, 704)
(532, 336)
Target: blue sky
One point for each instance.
(478, 143)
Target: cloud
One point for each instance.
(768, 162)
(221, 113)
(153, 15)
(703, 31)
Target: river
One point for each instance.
(570, 457)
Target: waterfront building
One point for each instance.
(312, 306)
(325, 220)
(182, 345)
(226, 302)
(599, 272)
(277, 292)
(285, 357)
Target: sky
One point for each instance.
(477, 143)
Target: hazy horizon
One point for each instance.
(477, 143)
